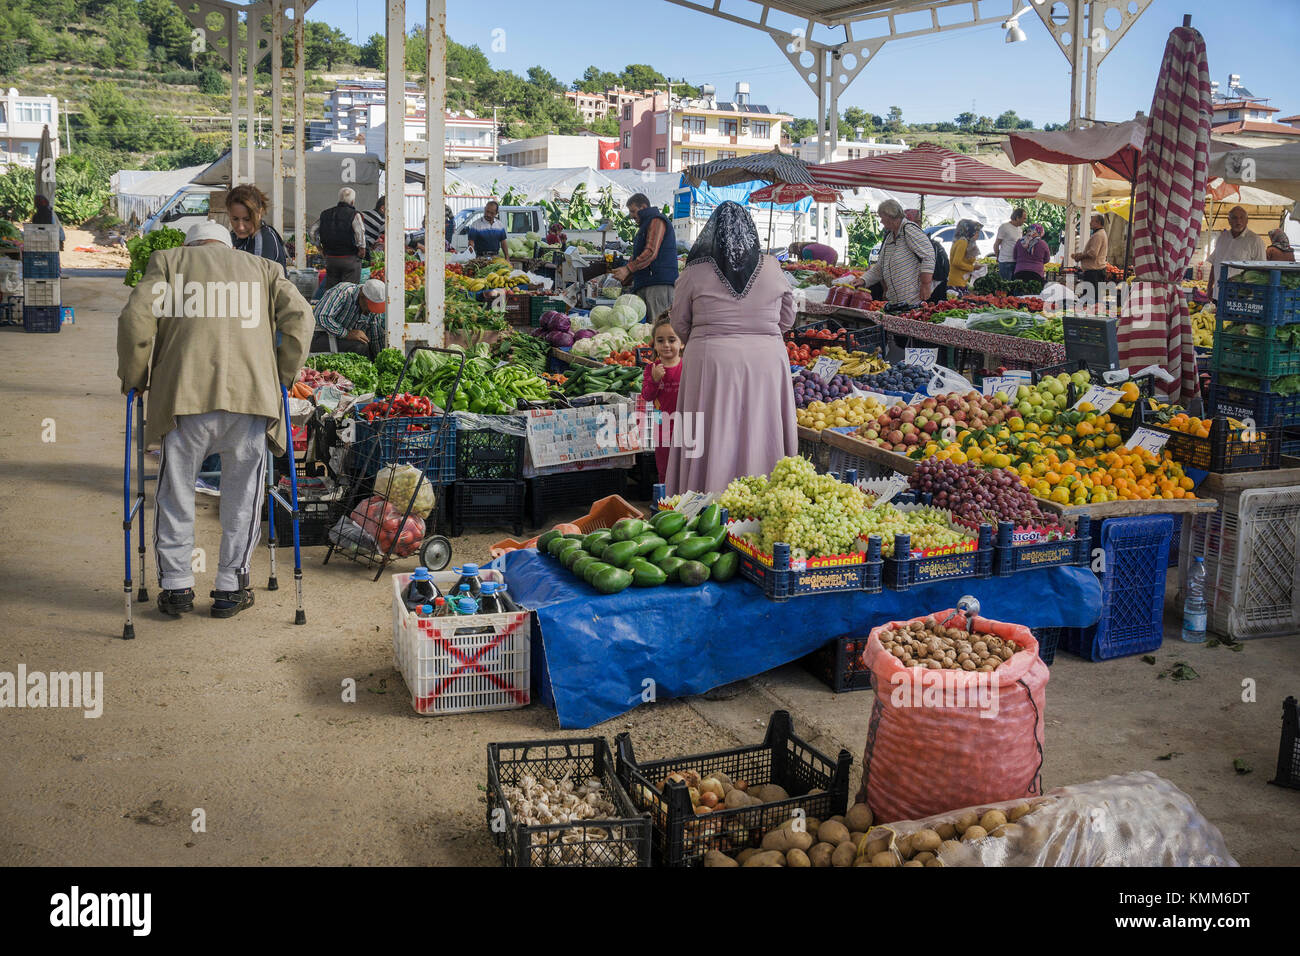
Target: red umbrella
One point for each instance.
(1167, 212)
(1116, 147)
(929, 170)
(794, 192)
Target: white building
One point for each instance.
(551, 152)
(22, 120)
(468, 138)
(806, 149)
(347, 107)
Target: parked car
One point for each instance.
(944, 235)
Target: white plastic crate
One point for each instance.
(40, 237)
(42, 292)
(1251, 549)
(462, 664)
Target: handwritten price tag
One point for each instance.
(994, 384)
(925, 358)
(1100, 398)
(895, 485)
(826, 368)
(1153, 442)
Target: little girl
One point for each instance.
(659, 386)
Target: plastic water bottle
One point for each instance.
(1194, 607)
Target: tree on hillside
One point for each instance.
(639, 76)
(544, 80)
(110, 120)
(606, 126)
(595, 80)
(895, 120)
(801, 129)
(373, 52)
(467, 62)
(1007, 120)
(417, 57)
(167, 27)
(965, 120)
(124, 44)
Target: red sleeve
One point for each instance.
(649, 387)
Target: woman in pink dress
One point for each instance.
(736, 413)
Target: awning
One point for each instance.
(929, 170)
(1116, 146)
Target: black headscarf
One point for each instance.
(730, 243)
(43, 215)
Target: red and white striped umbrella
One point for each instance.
(794, 192)
(1168, 207)
(929, 170)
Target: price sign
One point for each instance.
(1021, 375)
(1153, 442)
(917, 398)
(826, 368)
(895, 486)
(924, 358)
(994, 384)
(1100, 398)
(875, 397)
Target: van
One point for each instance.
(188, 206)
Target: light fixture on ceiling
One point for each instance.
(1014, 33)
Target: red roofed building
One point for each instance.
(1246, 117)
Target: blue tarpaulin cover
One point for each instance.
(701, 200)
(601, 650)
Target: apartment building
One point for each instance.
(594, 106)
(806, 149)
(22, 121)
(660, 134)
(347, 108)
(467, 138)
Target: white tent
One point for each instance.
(139, 193)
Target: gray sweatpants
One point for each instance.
(658, 299)
(241, 442)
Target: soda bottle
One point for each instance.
(441, 608)
(420, 590)
(469, 575)
(425, 610)
(1195, 610)
(506, 601)
(466, 605)
(488, 602)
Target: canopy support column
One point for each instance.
(299, 135)
(277, 118)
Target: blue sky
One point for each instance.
(931, 78)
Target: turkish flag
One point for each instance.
(608, 154)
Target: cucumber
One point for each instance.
(661, 552)
(724, 569)
(626, 529)
(679, 537)
(619, 553)
(649, 542)
(708, 559)
(710, 518)
(668, 523)
(544, 541)
(692, 574)
(645, 574)
(670, 566)
(590, 541)
(596, 567)
(693, 548)
(612, 580)
(575, 537)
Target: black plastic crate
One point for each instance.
(839, 664)
(903, 573)
(1092, 339)
(487, 504)
(868, 338)
(681, 838)
(315, 518)
(1226, 450)
(1048, 638)
(485, 454)
(622, 841)
(1288, 748)
(41, 318)
(643, 476)
(573, 489)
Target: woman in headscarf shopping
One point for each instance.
(736, 404)
(1032, 253)
(965, 252)
(1279, 249)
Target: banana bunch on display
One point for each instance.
(1202, 326)
(856, 364)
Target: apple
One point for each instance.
(895, 437)
(871, 434)
(929, 403)
(908, 415)
(930, 427)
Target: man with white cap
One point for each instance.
(212, 334)
(350, 318)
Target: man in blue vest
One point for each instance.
(653, 268)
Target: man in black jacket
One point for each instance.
(341, 235)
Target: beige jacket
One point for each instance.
(1094, 253)
(199, 332)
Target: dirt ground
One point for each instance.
(82, 250)
(243, 719)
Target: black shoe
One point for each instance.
(176, 602)
(230, 603)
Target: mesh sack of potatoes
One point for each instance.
(958, 716)
(1133, 819)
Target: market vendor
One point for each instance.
(1279, 247)
(814, 252)
(213, 366)
(341, 235)
(350, 318)
(906, 263)
(487, 234)
(653, 269)
(1234, 244)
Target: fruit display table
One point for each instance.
(598, 656)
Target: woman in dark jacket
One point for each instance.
(246, 205)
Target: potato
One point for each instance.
(745, 854)
(925, 856)
(859, 817)
(718, 858)
(913, 863)
(844, 855)
(820, 855)
(948, 846)
(786, 839)
(861, 861)
(887, 858)
(976, 832)
(992, 820)
(856, 836)
(1007, 830)
(926, 840)
(904, 847)
(769, 793)
(797, 858)
(723, 779)
(838, 819)
(966, 820)
(877, 845)
(738, 798)
(766, 858)
(935, 862)
(740, 785)
(832, 832)
(714, 786)
(946, 831)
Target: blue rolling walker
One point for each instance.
(133, 509)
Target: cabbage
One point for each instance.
(640, 333)
(634, 302)
(562, 339)
(601, 317)
(555, 321)
(577, 322)
(532, 236)
(583, 333)
(624, 316)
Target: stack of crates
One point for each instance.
(489, 491)
(1261, 347)
(42, 296)
(1251, 550)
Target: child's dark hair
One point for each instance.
(664, 318)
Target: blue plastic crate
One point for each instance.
(390, 441)
(1008, 557)
(1261, 405)
(902, 573)
(1136, 552)
(40, 265)
(41, 318)
(1269, 304)
(780, 582)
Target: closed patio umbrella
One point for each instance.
(45, 167)
(773, 166)
(1167, 212)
